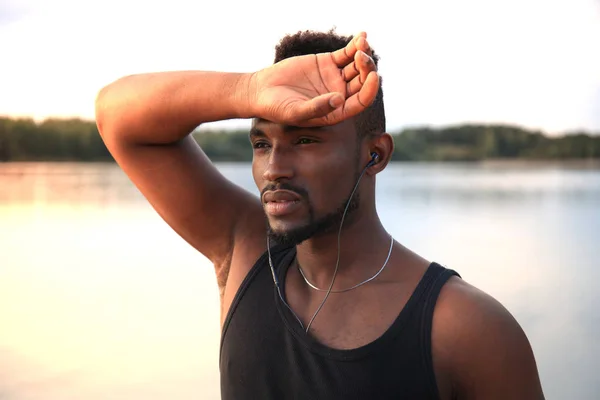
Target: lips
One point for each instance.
(280, 202)
(280, 196)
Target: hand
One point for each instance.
(317, 89)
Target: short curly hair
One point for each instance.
(369, 122)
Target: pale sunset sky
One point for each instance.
(534, 63)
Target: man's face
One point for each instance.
(305, 176)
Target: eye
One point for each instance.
(305, 141)
(260, 145)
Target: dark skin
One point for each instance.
(304, 134)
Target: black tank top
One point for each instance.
(266, 355)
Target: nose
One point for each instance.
(279, 166)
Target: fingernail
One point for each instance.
(365, 56)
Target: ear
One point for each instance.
(383, 145)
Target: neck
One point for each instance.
(364, 245)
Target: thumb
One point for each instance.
(319, 106)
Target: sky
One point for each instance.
(533, 63)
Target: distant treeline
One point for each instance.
(78, 140)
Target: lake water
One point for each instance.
(99, 299)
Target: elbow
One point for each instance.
(107, 104)
(100, 110)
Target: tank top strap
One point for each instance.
(439, 276)
(278, 252)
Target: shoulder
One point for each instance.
(480, 347)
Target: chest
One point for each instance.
(349, 320)
(265, 355)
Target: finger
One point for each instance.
(364, 46)
(345, 55)
(363, 64)
(317, 107)
(353, 86)
(357, 103)
(350, 71)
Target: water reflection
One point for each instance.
(100, 299)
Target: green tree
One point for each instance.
(22, 139)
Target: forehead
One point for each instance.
(267, 127)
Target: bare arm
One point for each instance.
(145, 121)
(482, 347)
(164, 107)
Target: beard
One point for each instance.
(315, 226)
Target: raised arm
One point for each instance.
(145, 121)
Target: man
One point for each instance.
(332, 307)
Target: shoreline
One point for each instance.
(582, 163)
(7, 167)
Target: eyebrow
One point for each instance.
(257, 132)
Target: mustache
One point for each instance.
(284, 186)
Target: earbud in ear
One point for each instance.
(374, 158)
